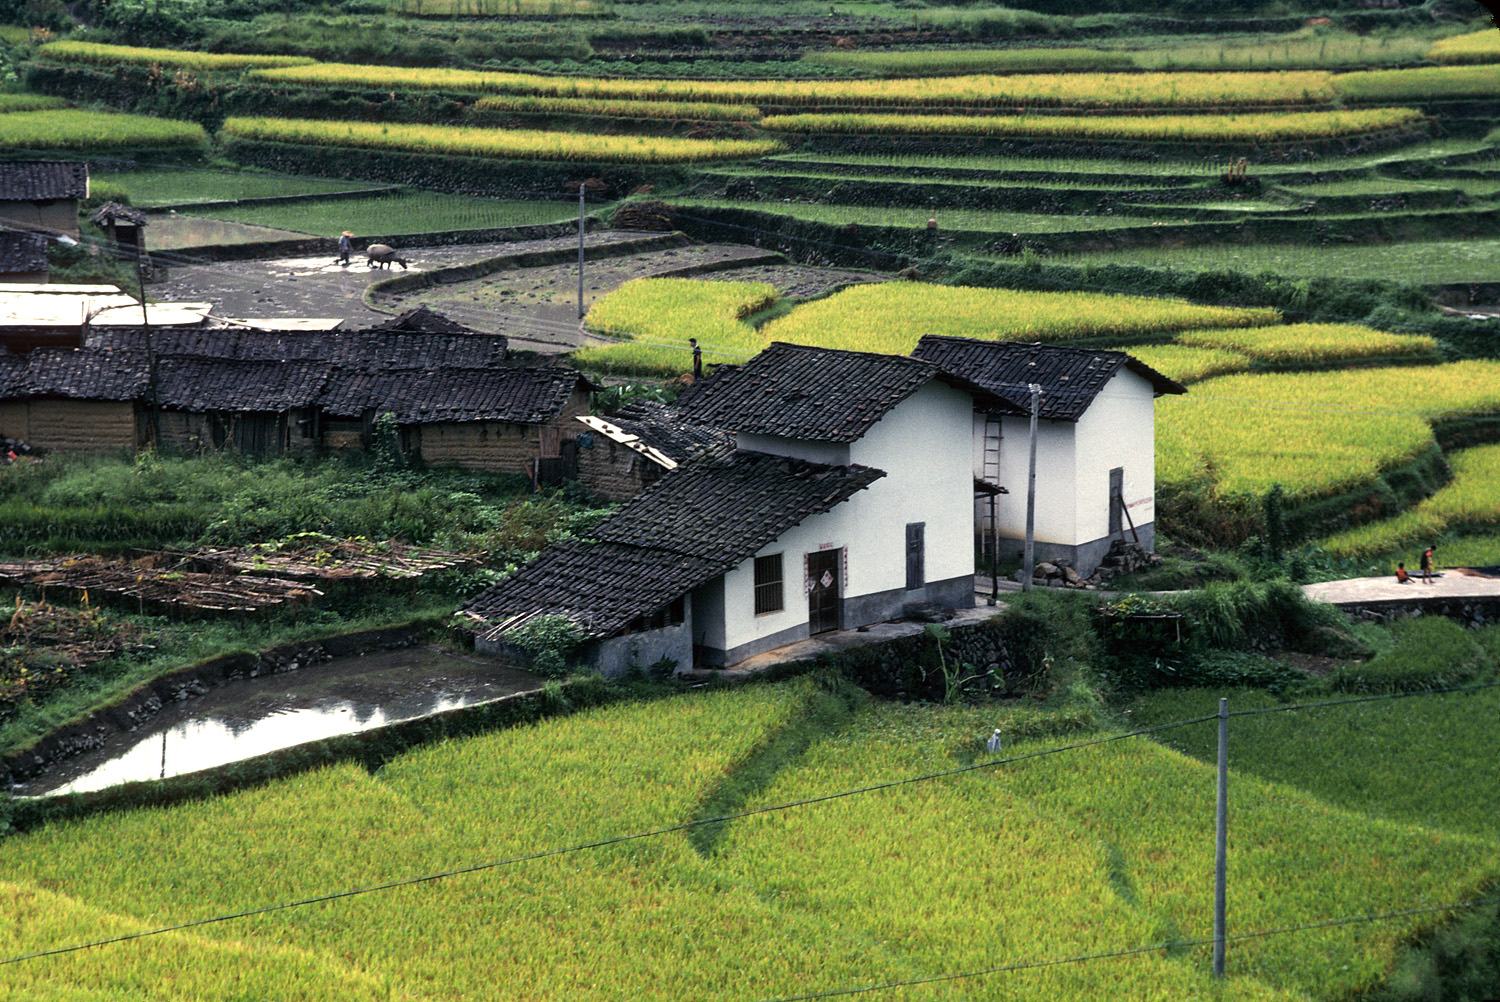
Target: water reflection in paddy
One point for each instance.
(249, 717)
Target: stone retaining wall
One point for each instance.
(1470, 612)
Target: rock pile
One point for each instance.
(1123, 558)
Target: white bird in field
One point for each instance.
(993, 744)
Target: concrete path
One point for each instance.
(1455, 583)
(826, 643)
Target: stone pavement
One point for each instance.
(1455, 584)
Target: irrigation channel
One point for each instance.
(247, 717)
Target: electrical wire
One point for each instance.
(599, 843)
(687, 825)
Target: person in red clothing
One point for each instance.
(1401, 576)
(1427, 564)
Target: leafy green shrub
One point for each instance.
(550, 643)
(1429, 652)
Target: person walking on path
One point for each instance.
(1427, 564)
(346, 247)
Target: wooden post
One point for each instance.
(1221, 840)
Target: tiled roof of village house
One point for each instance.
(656, 430)
(528, 396)
(351, 349)
(600, 586)
(1070, 377)
(726, 509)
(71, 373)
(220, 384)
(40, 180)
(694, 524)
(422, 320)
(822, 394)
(22, 252)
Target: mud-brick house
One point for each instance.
(69, 399)
(622, 454)
(259, 408)
(1096, 444)
(498, 420)
(846, 500)
(42, 195)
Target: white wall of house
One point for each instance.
(832, 453)
(1118, 430)
(921, 446)
(1056, 509)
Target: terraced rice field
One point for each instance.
(1430, 263)
(1081, 852)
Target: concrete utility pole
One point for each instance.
(581, 195)
(1028, 560)
(1221, 839)
(140, 281)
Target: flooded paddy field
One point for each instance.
(243, 718)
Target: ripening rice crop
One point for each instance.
(28, 102)
(95, 131)
(98, 54)
(1470, 500)
(1080, 852)
(618, 108)
(1301, 343)
(1475, 47)
(952, 62)
(890, 317)
(1427, 83)
(1261, 127)
(1101, 90)
(509, 144)
(1314, 433)
(658, 315)
(1189, 365)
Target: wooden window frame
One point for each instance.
(770, 593)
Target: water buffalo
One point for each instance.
(381, 256)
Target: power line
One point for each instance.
(599, 843)
(1137, 950)
(687, 825)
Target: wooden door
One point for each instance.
(823, 591)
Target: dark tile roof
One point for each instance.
(726, 509)
(222, 384)
(694, 524)
(422, 320)
(72, 373)
(528, 396)
(663, 428)
(114, 211)
(600, 586)
(799, 391)
(351, 349)
(1070, 378)
(21, 252)
(40, 180)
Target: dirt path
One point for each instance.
(321, 287)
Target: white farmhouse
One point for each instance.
(847, 498)
(1096, 444)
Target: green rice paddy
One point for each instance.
(1435, 263)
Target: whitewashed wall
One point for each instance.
(924, 447)
(1118, 429)
(1056, 509)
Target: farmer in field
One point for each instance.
(1427, 564)
(697, 358)
(346, 247)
